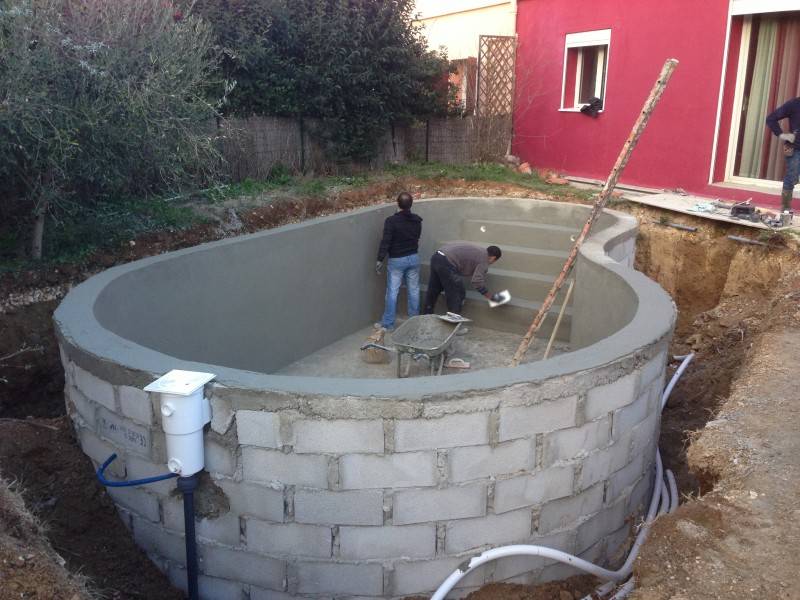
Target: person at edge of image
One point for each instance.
(400, 242)
(449, 264)
(791, 146)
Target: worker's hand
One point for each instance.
(378, 267)
(787, 137)
(496, 297)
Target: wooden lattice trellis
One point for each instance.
(496, 55)
(495, 97)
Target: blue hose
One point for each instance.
(101, 476)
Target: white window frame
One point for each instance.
(584, 39)
(736, 121)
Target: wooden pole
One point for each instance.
(558, 320)
(611, 182)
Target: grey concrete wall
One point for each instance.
(366, 488)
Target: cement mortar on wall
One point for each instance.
(376, 488)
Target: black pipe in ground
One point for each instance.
(187, 486)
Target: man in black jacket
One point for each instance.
(400, 243)
(791, 146)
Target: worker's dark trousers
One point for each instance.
(444, 277)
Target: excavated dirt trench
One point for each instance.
(728, 295)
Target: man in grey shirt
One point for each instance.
(449, 264)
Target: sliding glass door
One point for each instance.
(769, 75)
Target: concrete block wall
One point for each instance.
(387, 502)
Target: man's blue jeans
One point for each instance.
(792, 170)
(399, 269)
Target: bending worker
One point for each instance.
(449, 264)
(791, 146)
(400, 242)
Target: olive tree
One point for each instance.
(101, 99)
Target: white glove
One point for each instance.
(787, 137)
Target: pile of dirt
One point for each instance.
(83, 527)
(739, 539)
(29, 567)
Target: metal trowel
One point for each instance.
(505, 296)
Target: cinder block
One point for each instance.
(209, 588)
(135, 404)
(136, 500)
(154, 538)
(515, 566)
(291, 539)
(618, 544)
(527, 421)
(85, 407)
(258, 428)
(222, 414)
(654, 369)
(219, 458)
(423, 577)
(223, 529)
(253, 500)
(339, 578)
(139, 468)
(599, 465)
(532, 490)
(641, 494)
(244, 567)
(566, 512)
(408, 541)
(604, 522)
(626, 417)
(339, 436)
(261, 594)
(123, 432)
(445, 432)
(99, 450)
(644, 436)
(608, 398)
(476, 462)
(95, 389)
(421, 506)
(407, 469)
(621, 480)
(361, 507)
(568, 444)
(492, 530)
(271, 466)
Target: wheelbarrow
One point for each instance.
(421, 337)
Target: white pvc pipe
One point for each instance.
(562, 557)
(663, 493)
(686, 360)
(625, 590)
(673, 491)
(663, 507)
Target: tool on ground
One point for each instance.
(374, 354)
(745, 210)
(457, 363)
(605, 194)
(503, 297)
(452, 317)
(421, 337)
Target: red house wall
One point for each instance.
(676, 149)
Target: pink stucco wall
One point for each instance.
(676, 149)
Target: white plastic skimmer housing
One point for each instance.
(184, 413)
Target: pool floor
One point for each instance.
(482, 348)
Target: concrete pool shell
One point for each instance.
(333, 487)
